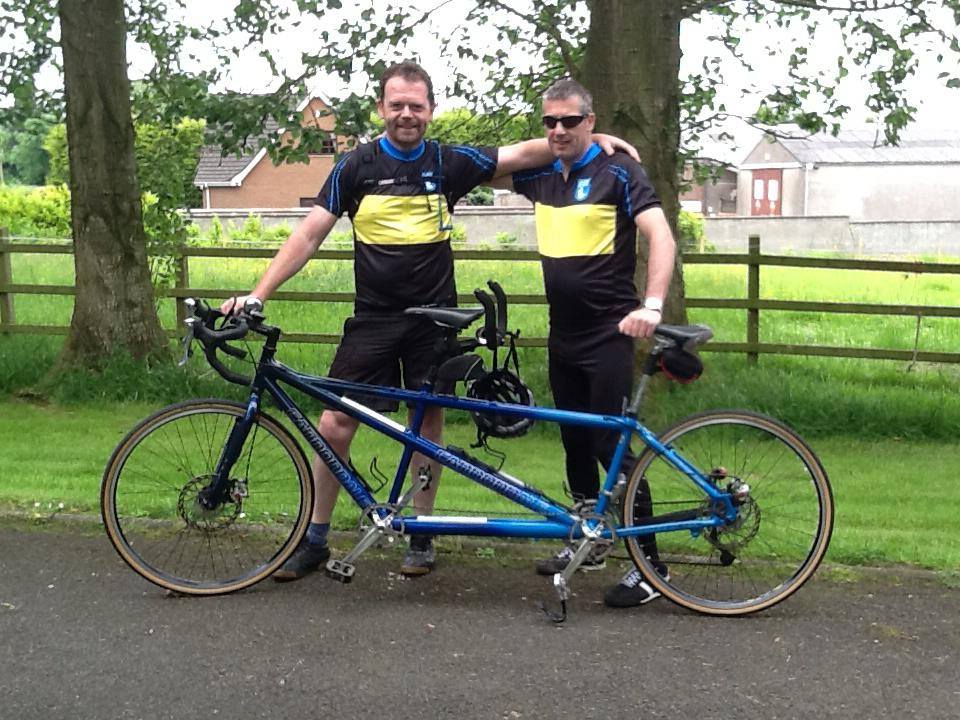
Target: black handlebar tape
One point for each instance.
(490, 325)
(501, 306)
(213, 340)
(226, 373)
(231, 333)
(232, 350)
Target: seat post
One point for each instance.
(633, 409)
(650, 368)
(444, 348)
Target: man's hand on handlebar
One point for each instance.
(241, 303)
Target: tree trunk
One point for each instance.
(114, 307)
(632, 65)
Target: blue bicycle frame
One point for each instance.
(558, 521)
(227, 497)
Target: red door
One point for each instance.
(766, 192)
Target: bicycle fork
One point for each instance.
(215, 493)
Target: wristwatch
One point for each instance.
(653, 303)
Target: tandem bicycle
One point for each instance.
(211, 496)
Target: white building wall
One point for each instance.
(799, 235)
(792, 191)
(724, 234)
(885, 192)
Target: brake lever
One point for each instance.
(190, 305)
(187, 341)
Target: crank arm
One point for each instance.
(370, 538)
(579, 555)
(416, 486)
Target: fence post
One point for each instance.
(7, 316)
(753, 295)
(181, 281)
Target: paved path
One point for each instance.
(81, 636)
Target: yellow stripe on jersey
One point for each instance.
(401, 220)
(575, 230)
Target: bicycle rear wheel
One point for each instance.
(782, 530)
(150, 508)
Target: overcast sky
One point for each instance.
(937, 105)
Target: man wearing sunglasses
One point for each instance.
(399, 192)
(589, 207)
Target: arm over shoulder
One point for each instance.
(465, 167)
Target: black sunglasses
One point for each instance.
(568, 121)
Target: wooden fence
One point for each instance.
(752, 304)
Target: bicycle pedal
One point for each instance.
(340, 571)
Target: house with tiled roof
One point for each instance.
(253, 181)
(855, 175)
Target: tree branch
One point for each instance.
(852, 6)
(562, 45)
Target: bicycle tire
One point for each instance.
(782, 531)
(149, 490)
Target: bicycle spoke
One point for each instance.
(164, 528)
(782, 527)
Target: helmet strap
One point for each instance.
(483, 442)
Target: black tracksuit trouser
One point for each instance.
(592, 371)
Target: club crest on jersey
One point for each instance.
(428, 182)
(582, 190)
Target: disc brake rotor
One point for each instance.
(734, 536)
(199, 517)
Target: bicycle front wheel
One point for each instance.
(783, 525)
(152, 510)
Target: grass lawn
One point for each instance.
(819, 396)
(886, 431)
(896, 500)
(706, 281)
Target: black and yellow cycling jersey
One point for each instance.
(586, 235)
(401, 204)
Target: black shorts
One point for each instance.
(379, 349)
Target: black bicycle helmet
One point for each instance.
(502, 386)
